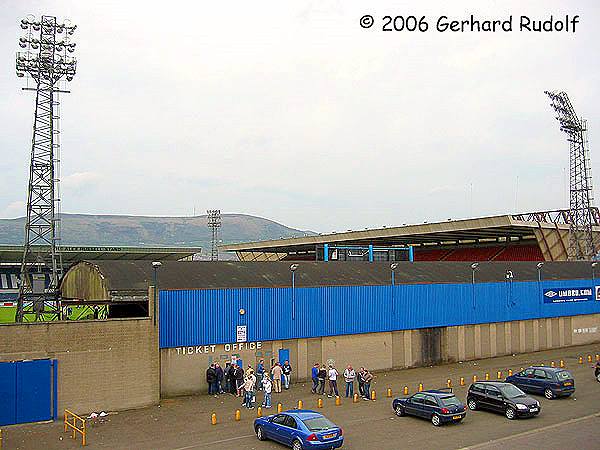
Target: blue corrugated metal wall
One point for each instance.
(202, 317)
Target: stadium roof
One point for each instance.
(136, 276)
(451, 232)
(73, 254)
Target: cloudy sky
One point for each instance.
(292, 111)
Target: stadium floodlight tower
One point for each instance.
(46, 60)
(214, 223)
(581, 244)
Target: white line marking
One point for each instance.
(205, 444)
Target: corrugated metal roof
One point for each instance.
(137, 275)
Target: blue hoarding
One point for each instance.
(568, 295)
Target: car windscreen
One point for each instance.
(318, 423)
(450, 401)
(511, 391)
(564, 375)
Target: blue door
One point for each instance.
(8, 393)
(284, 355)
(28, 389)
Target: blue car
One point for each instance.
(552, 382)
(300, 429)
(439, 406)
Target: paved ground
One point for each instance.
(184, 423)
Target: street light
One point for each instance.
(594, 264)
(474, 267)
(509, 278)
(393, 267)
(155, 266)
(293, 268)
(539, 269)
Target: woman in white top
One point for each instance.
(332, 375)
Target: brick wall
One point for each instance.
(102, 365)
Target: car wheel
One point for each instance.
(297, 445)
(598, 377)
(260, 434)
(435, 420)
(510, 413)
(472, 404)
(549, 394)
(399, 411)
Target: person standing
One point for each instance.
(260, 371)
(276, 372)
(332, 374)
(361, 381)
(322, 378)
(267, 387)
(249, 386)
(220, 375)
(368, 377)
(239, 380)
(349, 376)
(227, 377)
(287, 374)
(211, 379)
(314, 374)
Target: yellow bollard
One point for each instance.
(238, 415)
(487, 376)
(373, 395)
(213, 419)
(405, 390)
(389, 392)
(589, 358)
(561, 363)
(319, 403)
(499, 375)
(449, 383)
(355, 398)
(474, 378)
(259, 411)
(420, 387)
(462, 381)
(581, 360)
(300, 404)
(279, 408)
(522, 369)
(510, 372)
(338, 400)
(597, 357)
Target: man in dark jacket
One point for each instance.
(211, 379)
(322, 377)
(227, 377)
(314, 374)
(220, 375)
(239, 380)
(287, 374)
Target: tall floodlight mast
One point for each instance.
(44, 59)
(581, 244)
(214, 223)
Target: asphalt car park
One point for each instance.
(184, 423)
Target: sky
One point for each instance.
(293, 112)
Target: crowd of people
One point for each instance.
(234, 380)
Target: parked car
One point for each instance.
(597, 371)
(502, 397)
(439, 406)
(300, 429)
(552, 382)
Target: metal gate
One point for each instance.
(28, 391)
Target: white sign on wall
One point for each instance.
(242, 333)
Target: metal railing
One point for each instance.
(74, 425)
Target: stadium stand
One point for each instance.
(520, 253)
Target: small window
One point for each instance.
(527, 373)
(280, 419)
(492, 391)
(540, 374)
(450, 401)
(418, 398)
(290, 422)
(479, 388)
(430, 401)
(563, 375)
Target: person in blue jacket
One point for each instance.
(315, 378)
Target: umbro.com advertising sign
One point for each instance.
(571, 295)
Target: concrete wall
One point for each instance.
(102, 365)
(183, 369)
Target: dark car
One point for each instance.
(502, 397)
(552, 382)
(439, 406)
(300, 429)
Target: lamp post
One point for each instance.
(509, 278)
(393, 268)
(155, 266)
(474, 267)
(594, 264)
(539, 271)
(293, 268)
